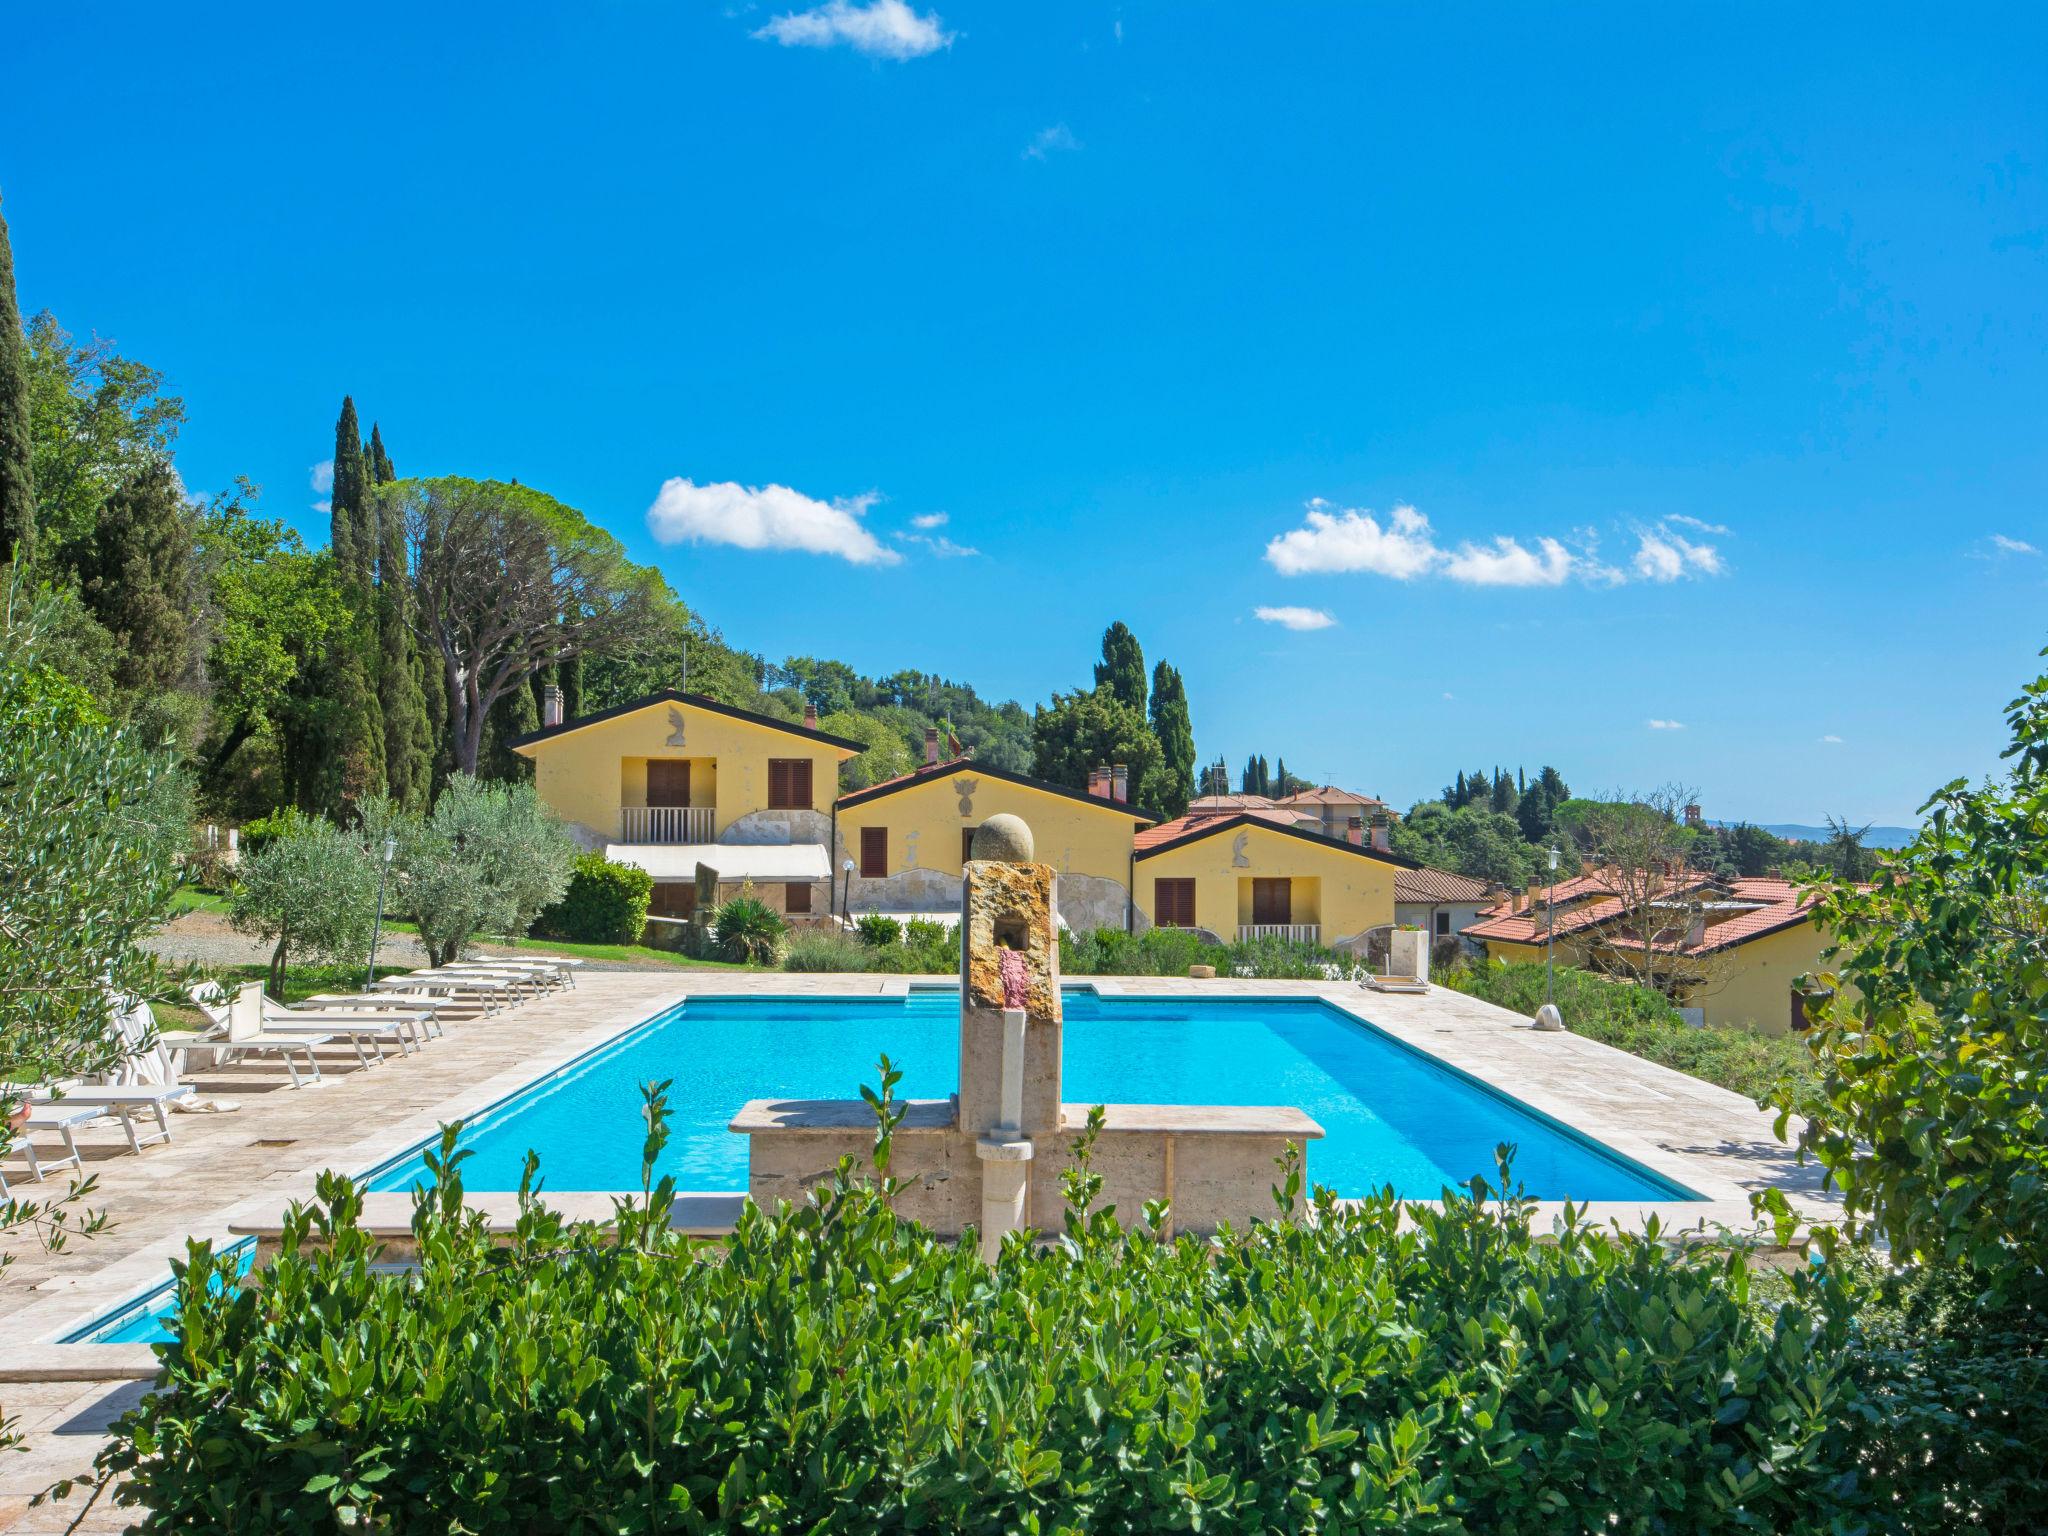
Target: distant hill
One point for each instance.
(1876, 837)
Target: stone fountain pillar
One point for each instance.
(990, 1156)
(1010, 1046)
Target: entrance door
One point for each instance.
(668, 781)
(1272, 901)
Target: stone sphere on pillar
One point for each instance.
(1003, 839)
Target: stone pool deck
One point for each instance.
(238, 1169)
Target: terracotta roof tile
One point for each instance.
(1195, 820)
(1433, 885)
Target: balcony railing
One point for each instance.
(1303, 933)
(667, 823)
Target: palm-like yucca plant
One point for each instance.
(747, 929)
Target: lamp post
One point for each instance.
(377, 932)
(846, 893)
(1550, 933)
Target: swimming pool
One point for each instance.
(1390, 1114)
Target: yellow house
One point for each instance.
(1746, 942)
(1253, 874)
(675, 780)
(907, 838)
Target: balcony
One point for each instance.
(667, 823)
(1300, 933)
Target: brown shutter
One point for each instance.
(1173, 903)
(966, 844)
(789, 784)
(874, 852)
(796, 899)
(1272, 900)
(668, 781)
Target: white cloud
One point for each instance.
(1057, 139)
(323, 476)
(1833, 741)
(930, 520)
(882, 29)
(1295, 618)
(1664, 556)
(766, 517)
(1694, 523)
(939, 545)
(1665, 725)
(1450, 695)
(2011, 546)
(1509, 564)
(1355, 540)
(1331, 541)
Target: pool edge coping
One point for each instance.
(1723, 1205)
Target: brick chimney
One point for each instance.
(551, 705)
(810, 715)
(1381, 839)
(1354, 834)
(1120, 783)
(1529, 895)
(931, 746)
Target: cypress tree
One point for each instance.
(135, 575)
(381, 472)
(515, 714)
(1122, 668)
(570, 674)
(353, 551)
(17, 466)
(1176, 733)
(408, 743)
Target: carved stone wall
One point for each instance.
(778, 827)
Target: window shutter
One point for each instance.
(966, 844)
(1173, 903)
(789, 784)
(874, 852)
(796, 899)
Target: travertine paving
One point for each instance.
(229, 1167)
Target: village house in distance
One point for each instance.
(710, 799)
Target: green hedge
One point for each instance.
(1642, 1022)
(833, 1368)
(1170, 951)
(605, 903)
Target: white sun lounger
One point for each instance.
(61, 1118)
(394, 1026)
(242, 1032)
(398, 1004)
(486, 989)
(541, 975)
(80, 1105)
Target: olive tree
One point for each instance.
(92, 821)
(311, 890)
(1928, 1109)
(486, 860)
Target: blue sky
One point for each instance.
(1731, 322)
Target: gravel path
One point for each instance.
(206, 939)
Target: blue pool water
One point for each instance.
(1389, 1114)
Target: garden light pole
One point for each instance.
(1550, 934)
(377, 931)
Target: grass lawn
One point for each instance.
(1637, 1020)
